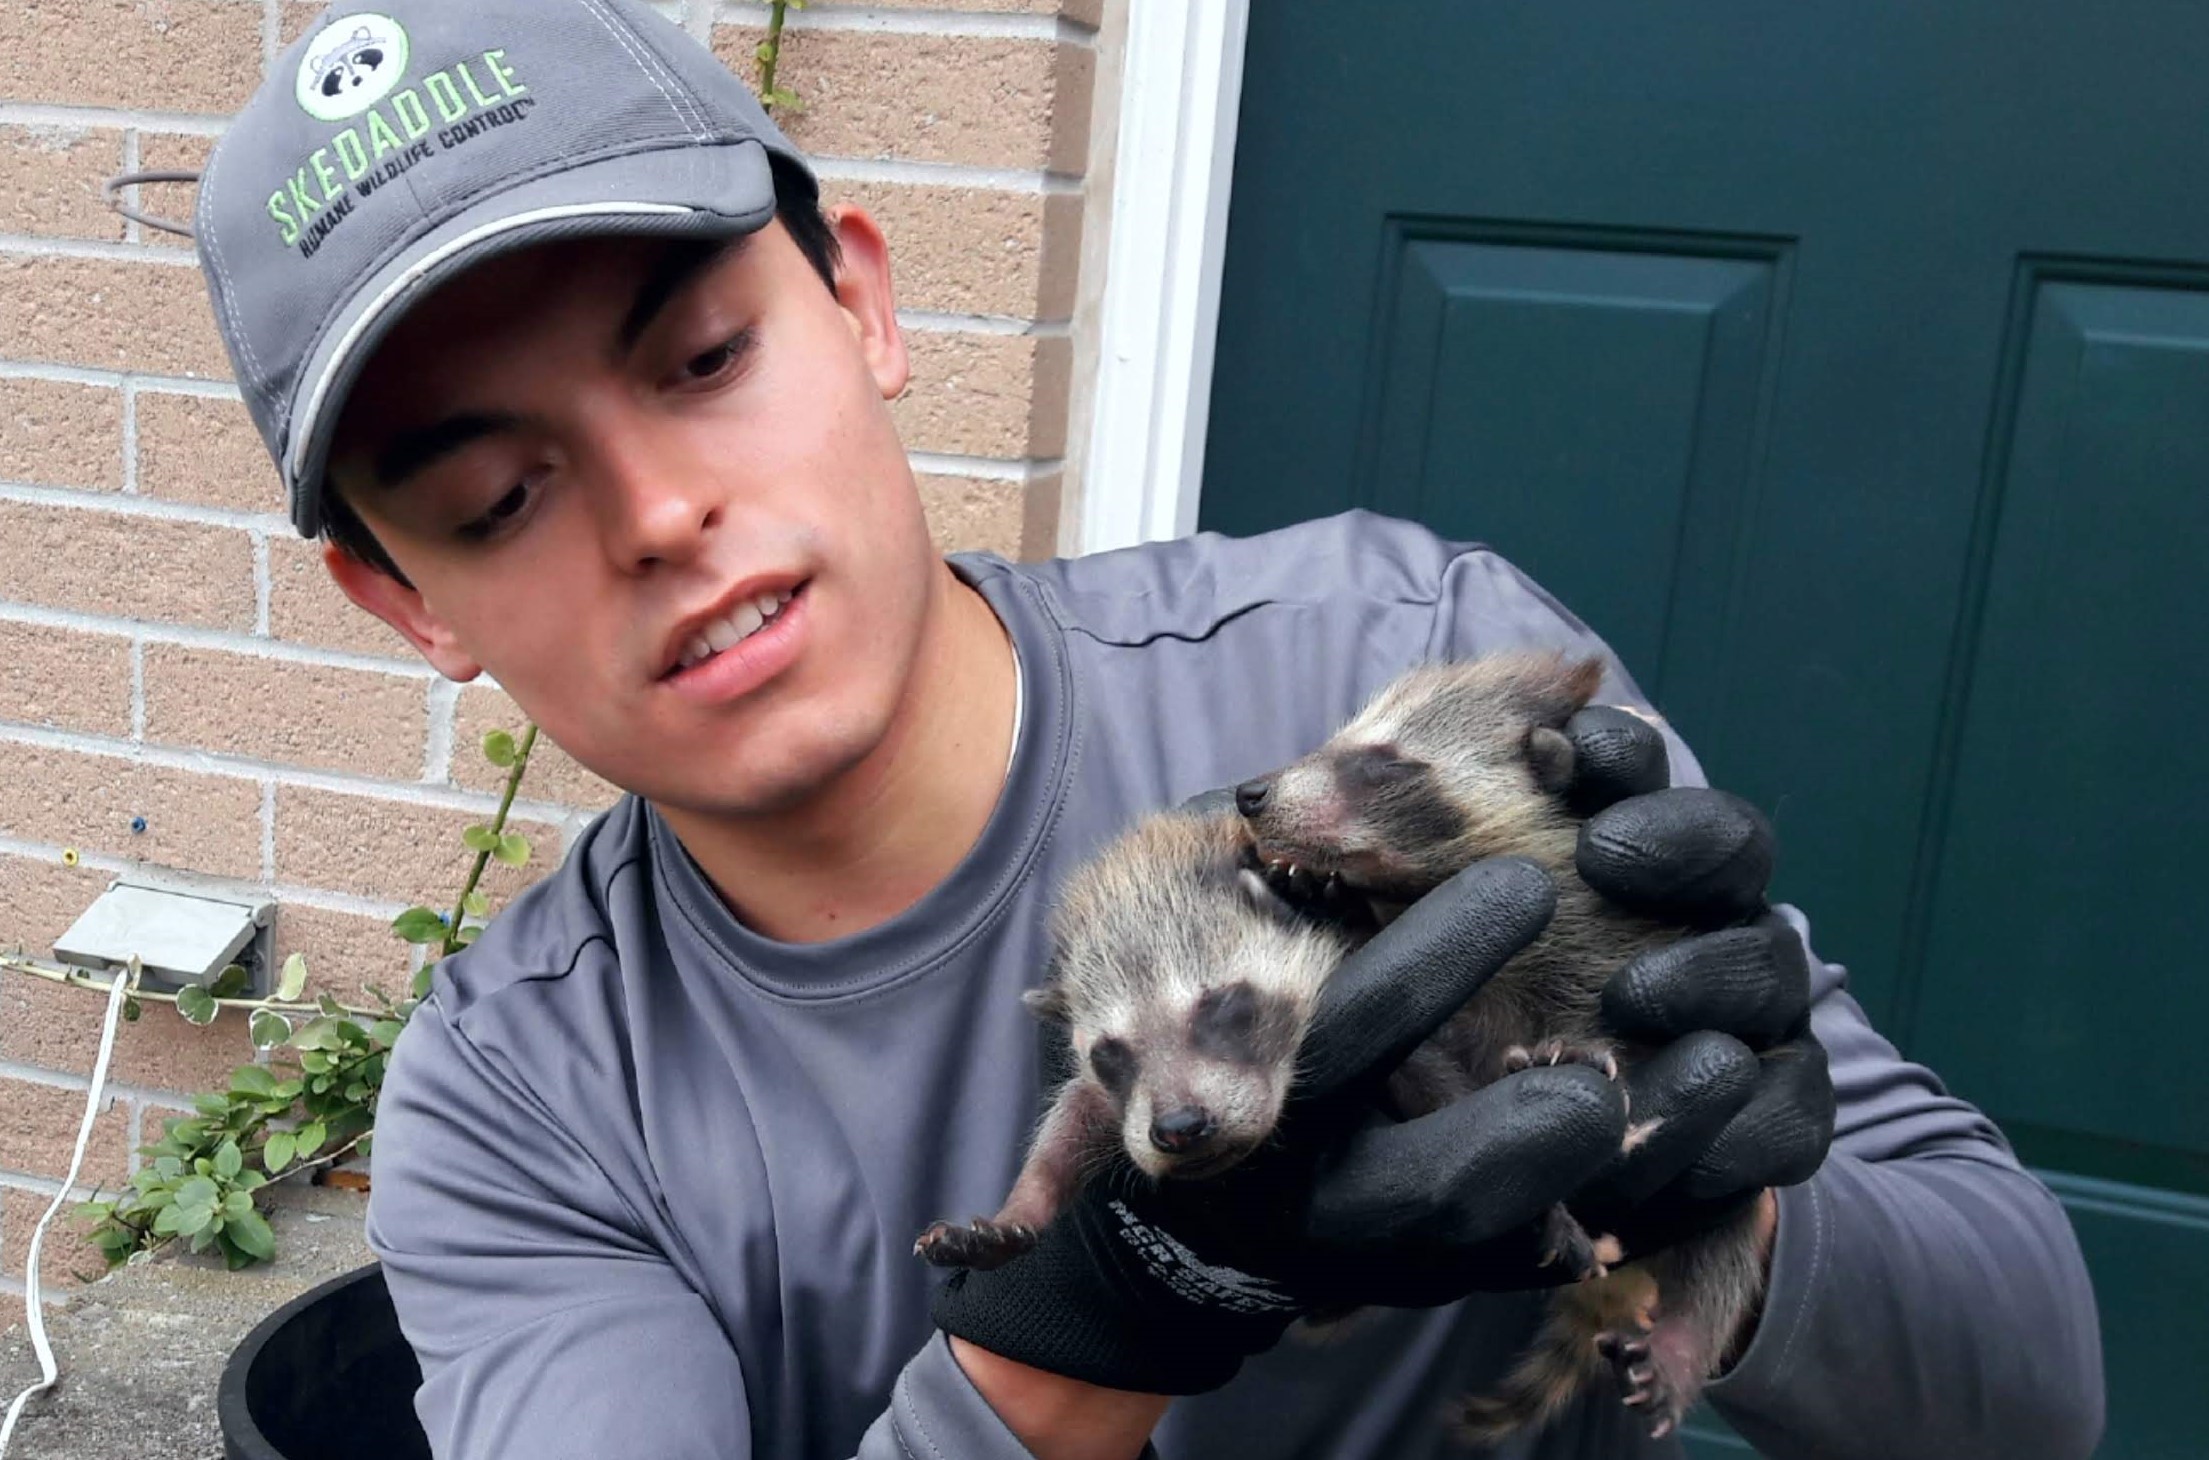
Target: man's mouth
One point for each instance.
(736, 624)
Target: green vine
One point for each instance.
(769, 52)
(200, 1180)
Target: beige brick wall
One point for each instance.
(181, 688)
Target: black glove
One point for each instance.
(1165, 1288)
(1741, 1086)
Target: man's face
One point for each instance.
(595, 458)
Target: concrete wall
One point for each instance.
(169, 650)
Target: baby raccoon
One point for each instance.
(1449, 764)
(1186, 982)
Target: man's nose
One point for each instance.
(660, 505)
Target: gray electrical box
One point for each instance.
(179, 937)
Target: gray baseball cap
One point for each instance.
(393, 147)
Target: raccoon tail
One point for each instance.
(1561, 1363)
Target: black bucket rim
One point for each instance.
(241, 1436)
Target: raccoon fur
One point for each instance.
(1185, 981)
(1449, 764)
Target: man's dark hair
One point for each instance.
(797, 206)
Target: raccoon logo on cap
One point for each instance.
(352, 65)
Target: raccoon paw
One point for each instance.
(1561, 1052)
(1565, 1241)
(1648, 1390)
(981, 1244)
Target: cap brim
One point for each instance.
(687, 191)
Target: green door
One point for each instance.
(1847, 366)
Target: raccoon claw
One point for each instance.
(1565, 1241)
(1647, 1390)
(981, 1244)
(1561, 1052)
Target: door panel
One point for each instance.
(1848, 368)
(1664, 360)
(2068, 886)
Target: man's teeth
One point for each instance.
(725, 633)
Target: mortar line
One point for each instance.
(78, 500)
(444, 713)
(155, 631)
(90, 248)
(244, 768)
(136, 1134)
(268, 831)
(291, 894)
(272, 32)
(261, 583)
(931, 322)
(1033, 181)
(83, 375)
(984, 468)
(130, 438)
(45, 114)
(132, 233)
(138, 688)
(964, 23)
(45, 1186)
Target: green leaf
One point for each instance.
(311, 1136)
(254, 1080)
(269, 1029)
(513, 849)
(250, 1231)
(330, 1007)
(186, 1133)
(318, 1036)
(419, 925)
(212, 1104)
(250, 1180)
(356, 1092)
(386, 1032)
(765, 50)
(231, 982)
(197, 1192)
(170, 1222)
(293, 981)
(229, 1160)
(197, 1006)
(291, 1090)
(319, 1085)
(466, 936)
(277, 1154)
(131, 1009)
(500, 750)
(480, 839)
(476, 904)
(419, 985)
(236, 1205)
(169, 1168)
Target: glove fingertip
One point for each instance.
(1616, 754)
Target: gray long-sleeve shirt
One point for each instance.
(647, 1183)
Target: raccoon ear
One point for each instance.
(1048, 1003)
(1550, 755)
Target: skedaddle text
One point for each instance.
(447, 109)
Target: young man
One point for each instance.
(541, 322)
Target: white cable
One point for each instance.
(32, 1304)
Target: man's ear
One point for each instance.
(402, 608)
(869, 301)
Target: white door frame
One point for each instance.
(1179, 99)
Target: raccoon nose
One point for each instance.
(1177, 1131)
(1250, 796)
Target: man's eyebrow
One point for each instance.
(681, 263)
(411, 451)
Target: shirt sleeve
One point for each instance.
(547, 1324)
(1928, 1298)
